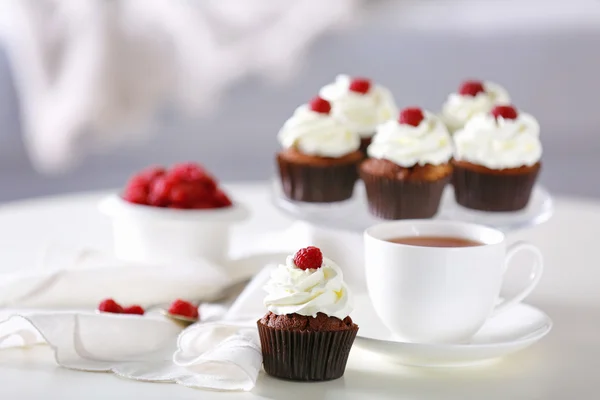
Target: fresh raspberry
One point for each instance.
(110, 306)
(184, 309)
(188, 171)
(152, 173)
(136, 194)
(180, 194)
(159, 193)
(506, 112)
(208, 183)
(471, 88)
(320, 105)
(138, 187)
(184, 186)
(411, 116)
(187, 193)
(308, 258)
(220, 199)
(205, 180)
(138, 181)
(360, 85)
(135, 309)
(202, 205)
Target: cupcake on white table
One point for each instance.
(473, 97)
(361, 104)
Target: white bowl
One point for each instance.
(147, 234)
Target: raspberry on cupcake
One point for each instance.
(320, 155)
(361, 104)
(497, 160)
(408, 166)
(472, 97)
(307, 333)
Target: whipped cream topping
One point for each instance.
(362, 112)
(308, 292)
(499, 143)
(318, 134)
(458, 108)
(407, 145)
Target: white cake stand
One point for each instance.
(353, 215)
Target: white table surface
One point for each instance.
(564, 365)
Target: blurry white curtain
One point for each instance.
(91, 72)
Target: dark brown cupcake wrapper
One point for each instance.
(305, 355)
(494, 192)
(317, 184)
(394, 199)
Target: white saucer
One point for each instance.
(504, 334)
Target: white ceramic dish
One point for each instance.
(507, 333)
(152, 234)
(353, 215)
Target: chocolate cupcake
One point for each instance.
(473, 97)
(361, 104)
(497, 160)
(307, 333)
(408, 166)
(320, 155)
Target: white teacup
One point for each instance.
(440, 294)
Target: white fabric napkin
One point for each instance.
(222, 353)
(233, 364)
(68, 277)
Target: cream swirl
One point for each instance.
(318, 134)
(407, 145)
(458, 109)
(362, 112)
(308, 292)
(499, 143)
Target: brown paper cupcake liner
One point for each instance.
(317, 184)
(494, 192)
(396, 199)
(305, 355)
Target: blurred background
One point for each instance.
(64, 133)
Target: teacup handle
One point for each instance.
(534, 277)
